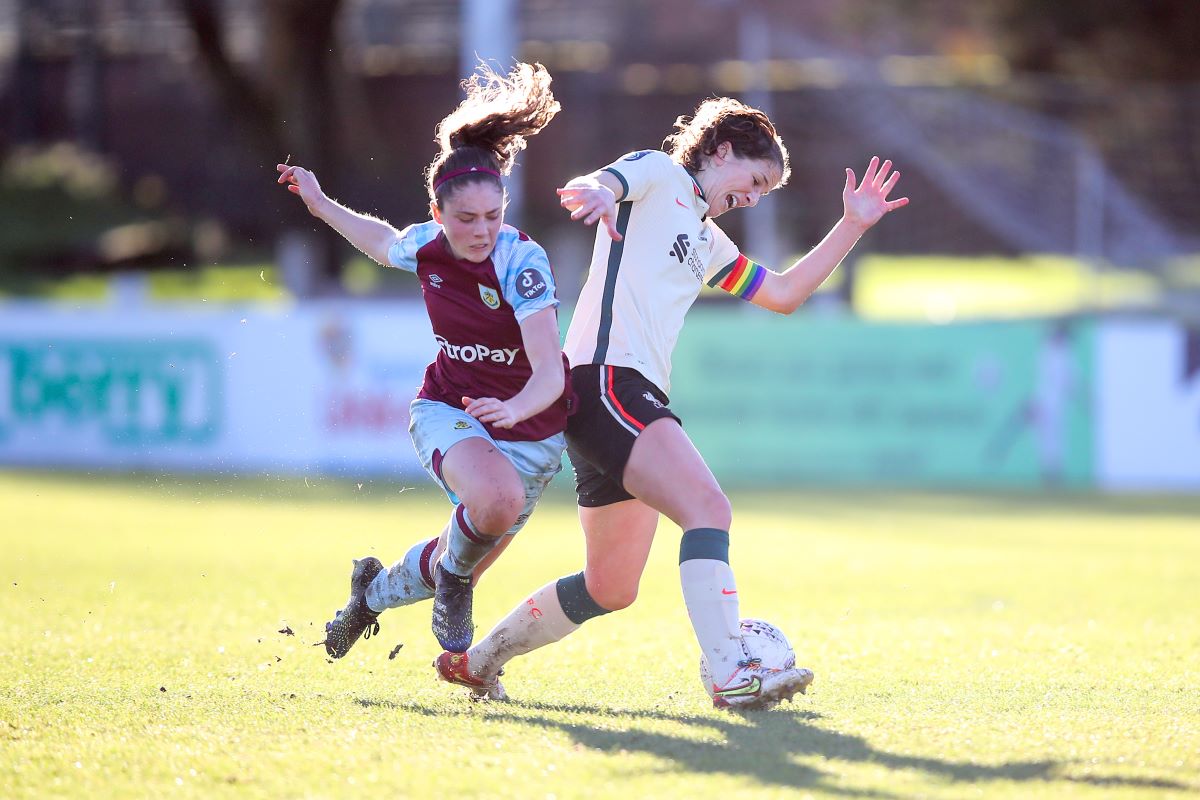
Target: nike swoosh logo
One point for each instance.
(727, 591)
(679, 203)
(750, 687)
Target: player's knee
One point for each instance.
(612, 595)
(577, 601)
(712, 509)
(496, 516)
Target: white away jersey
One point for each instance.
(639, 289)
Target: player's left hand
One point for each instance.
(865, 204)
(490, 410)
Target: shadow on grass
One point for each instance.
(761, 746)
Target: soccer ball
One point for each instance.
(764, 641)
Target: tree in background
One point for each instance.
(1114, 41)
(1149, 40)
(292, 108)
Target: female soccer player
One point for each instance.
(488, 422)
(631, 457)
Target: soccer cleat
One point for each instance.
(452, 622)
(456, 668)
(754, 687)
(357, 618)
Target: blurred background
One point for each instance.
(1031, 320)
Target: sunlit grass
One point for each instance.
(218, 284)
(943, 289)
(938, 289)
(964, 645)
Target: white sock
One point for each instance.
(536, 622)
(710, 593)
(409, 580)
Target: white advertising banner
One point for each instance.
(1148, 405)
(323, 386)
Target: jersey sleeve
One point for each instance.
(528, 281)
(403, 252)
(639, 171)
(729, 270)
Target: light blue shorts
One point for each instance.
(436, 427)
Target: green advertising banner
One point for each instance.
(776, 400)
(122, 392)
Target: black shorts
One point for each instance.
(615, 404)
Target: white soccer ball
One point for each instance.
(764, 641)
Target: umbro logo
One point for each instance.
(680, 248)
(435, 281)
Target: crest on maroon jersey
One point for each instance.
(489, 296)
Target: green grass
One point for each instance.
(965, 646)
(945, 289)
(936, 289)
(233, 283)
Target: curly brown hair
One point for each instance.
(723, 119)
(490, 126)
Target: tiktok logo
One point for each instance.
(680, 248)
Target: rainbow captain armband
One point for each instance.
(741, 279)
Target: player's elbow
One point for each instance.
(788, 308)
(782, 305)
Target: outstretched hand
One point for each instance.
(591, 204)
(867, 203)
(302, 182)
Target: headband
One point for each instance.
(465, 171)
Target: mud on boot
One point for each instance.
(452, 598)
(356, 618)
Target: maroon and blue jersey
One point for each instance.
(476, 311)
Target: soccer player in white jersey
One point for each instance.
(488, 422)
(631, 457)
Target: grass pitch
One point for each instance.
(964, 646)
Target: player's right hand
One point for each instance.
(491, 411)
(591, 204)
(302, 182)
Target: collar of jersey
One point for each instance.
(441, 237)
(699, 201)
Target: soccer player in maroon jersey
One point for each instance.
(488, 422)
(631, 457)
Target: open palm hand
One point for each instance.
(866, 203)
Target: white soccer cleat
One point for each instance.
(757, 688)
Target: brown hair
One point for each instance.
(481, 138)
(723, 119)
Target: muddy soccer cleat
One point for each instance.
(456, 668)
(357, 618)
(452, 622)
(756, 688)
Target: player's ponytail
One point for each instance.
(723, 119)
(481, 138)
